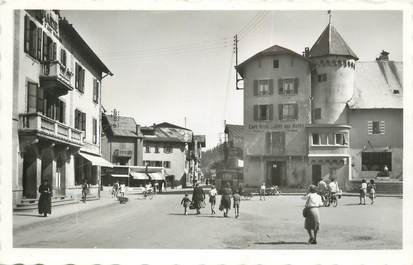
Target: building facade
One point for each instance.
(320, 115)
(176, 149)
(122, 143)
(56, 107)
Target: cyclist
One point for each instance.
(322, 189)
(333, 188)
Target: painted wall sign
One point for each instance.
(276, 126)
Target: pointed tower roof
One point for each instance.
(330, 42)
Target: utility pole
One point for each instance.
(236, 62)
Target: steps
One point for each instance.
(32, 204)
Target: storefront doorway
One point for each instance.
(60, 188)
(275, 172)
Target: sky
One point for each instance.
(177, 66)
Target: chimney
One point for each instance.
(384, 56)
(306, 52)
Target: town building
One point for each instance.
(122, 143)
(321, 115)
(176, 149)
(57, 86)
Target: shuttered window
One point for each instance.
(288, 86)
(30, 37)
(263, 112)
(80, 121)
(376, 127)
(95, 131)
(39, 44)
(288, 111)
(31, 97)
(274, 142)
(63, 57)
(79, 78)
(95, 90)
(263, 87)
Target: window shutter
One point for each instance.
(255, 87)
(268, 142)
(280, 86)
(382, 127)
(271, 112)
(26, 33)
(83, 79)
(271, 85)
(31, 97)
(295, 111)
(40, 100)
(255, 112)
(77, 76)
(84, 122)
(296, 84)
(58, 108)
(54, 47)
(280, 112)
(370, 127)
(44, 46)
(62, 111)
(39, 44)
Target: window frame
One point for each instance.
(316, 136)
(292, 89)
(156, 149)
(317, 114)
(289, 117)
(275, 63)
(147, 149)
(95, 131)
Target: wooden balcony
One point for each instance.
(56, 78)
(42, 126)
(122, 153)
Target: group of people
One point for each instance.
(118, 189)
(198, 200)
(367, 188)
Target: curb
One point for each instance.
(17, 229)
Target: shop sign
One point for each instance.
(276, 126)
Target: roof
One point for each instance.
(273, 50)
(235, 130)
(125, 126)
(66, 28)
(167, 132)
(169, 125)
(330, 42)
(375, 83)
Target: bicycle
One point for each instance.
(246, 195)
(330, 199)
(148, 194)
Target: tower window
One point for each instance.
(322, 77)
(317, 113)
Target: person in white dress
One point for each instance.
(212, 198)
(312, 217)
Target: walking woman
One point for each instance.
(212, 198)
(225, 204)
(311, 214)
(45, 200)
(198, 198)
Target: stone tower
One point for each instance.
(332, 77)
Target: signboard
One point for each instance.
(276, 126)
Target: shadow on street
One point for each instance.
(281, 243)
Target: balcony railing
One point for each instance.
(122, 153)
(36, 122)
(54, 70)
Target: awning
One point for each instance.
(96, 160)
(157, 176)
(120, 176)
(139, 175)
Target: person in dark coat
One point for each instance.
(225, 204)
(198, 198)
(45, 200)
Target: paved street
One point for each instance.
(276, 223)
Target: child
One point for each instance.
(185, 202)
(372, 190)
(237, 200)
(363, 192)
